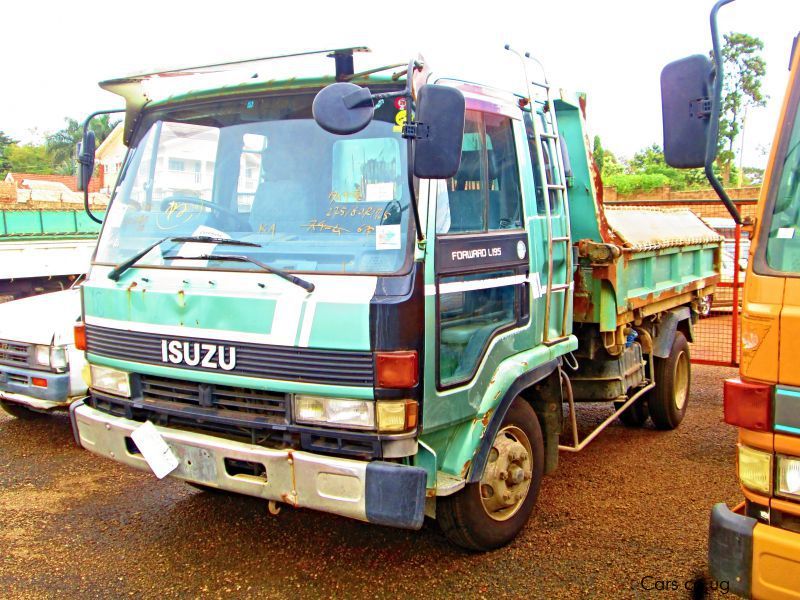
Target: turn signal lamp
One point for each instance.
(80, 336)
(748, 405)
(39, 382)
(395, 416)
(396, 369)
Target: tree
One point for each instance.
(61, 145)
(28, 159)
(744, 72)
(5, 164)
(597, 152)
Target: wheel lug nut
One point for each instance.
(503, 475)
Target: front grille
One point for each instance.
(286, 363)
(14, 353)
(226, 401)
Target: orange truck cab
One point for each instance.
(755, 547)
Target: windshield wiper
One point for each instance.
(115, 273)
(306, 285)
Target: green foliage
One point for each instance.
(639, 182)
(62, 144)
(28, 158)
(744, 72)
(648, 170)
(5, 164)
(598, 152)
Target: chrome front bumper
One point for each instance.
(376, 492)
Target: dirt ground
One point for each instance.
(628, 512)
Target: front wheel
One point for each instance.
(667, 402)
(18, 411)
(490, 513)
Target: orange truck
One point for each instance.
(755, 546)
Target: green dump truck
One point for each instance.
(43, 250)
(379, 294)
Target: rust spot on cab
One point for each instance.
(465, 468)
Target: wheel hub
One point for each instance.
(507, 477)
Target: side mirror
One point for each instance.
(343, 108)
(86, 150)
(440, 123)
(686, 102)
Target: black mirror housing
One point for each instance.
(440, 118)
(86, 150)
(343, 108)
(686, 102)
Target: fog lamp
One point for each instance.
(755, 469)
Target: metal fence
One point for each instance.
(717, 335)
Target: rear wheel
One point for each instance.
(668, 401)
(635, 415)
(490, 513)
(19, 411)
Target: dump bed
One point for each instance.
(45, 243)
(632, 261)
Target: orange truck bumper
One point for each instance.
(757, 560)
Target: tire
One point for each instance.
(635, 415)
(668, 401)
(478, 517)
(19, 411)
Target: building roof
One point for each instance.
(70, 181)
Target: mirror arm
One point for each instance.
(711, 143)
(83, 159)
(410, 148)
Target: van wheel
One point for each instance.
(668, 401)
(490, 513)
(635, 415)
(20, 412)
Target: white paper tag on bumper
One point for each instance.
(154, 449)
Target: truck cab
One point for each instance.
(295, 296)
(757, 544)
(40, 368)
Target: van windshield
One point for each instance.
(261, 170)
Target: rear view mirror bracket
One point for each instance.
(86, 150)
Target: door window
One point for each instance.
(472, 309)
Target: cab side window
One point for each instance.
(485, 193)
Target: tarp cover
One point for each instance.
(650, 228)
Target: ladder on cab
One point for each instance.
(555, 192)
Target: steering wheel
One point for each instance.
(236, 218)
(395, 211)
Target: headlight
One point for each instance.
(41, 355)
(789, 476)
(58, 358)
(54, 357)
(111, 381)
(334, 412)
(755, 469)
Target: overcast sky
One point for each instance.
(56, 52)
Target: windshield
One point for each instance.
(783, 244)
(261, 170)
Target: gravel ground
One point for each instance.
(633, 505)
